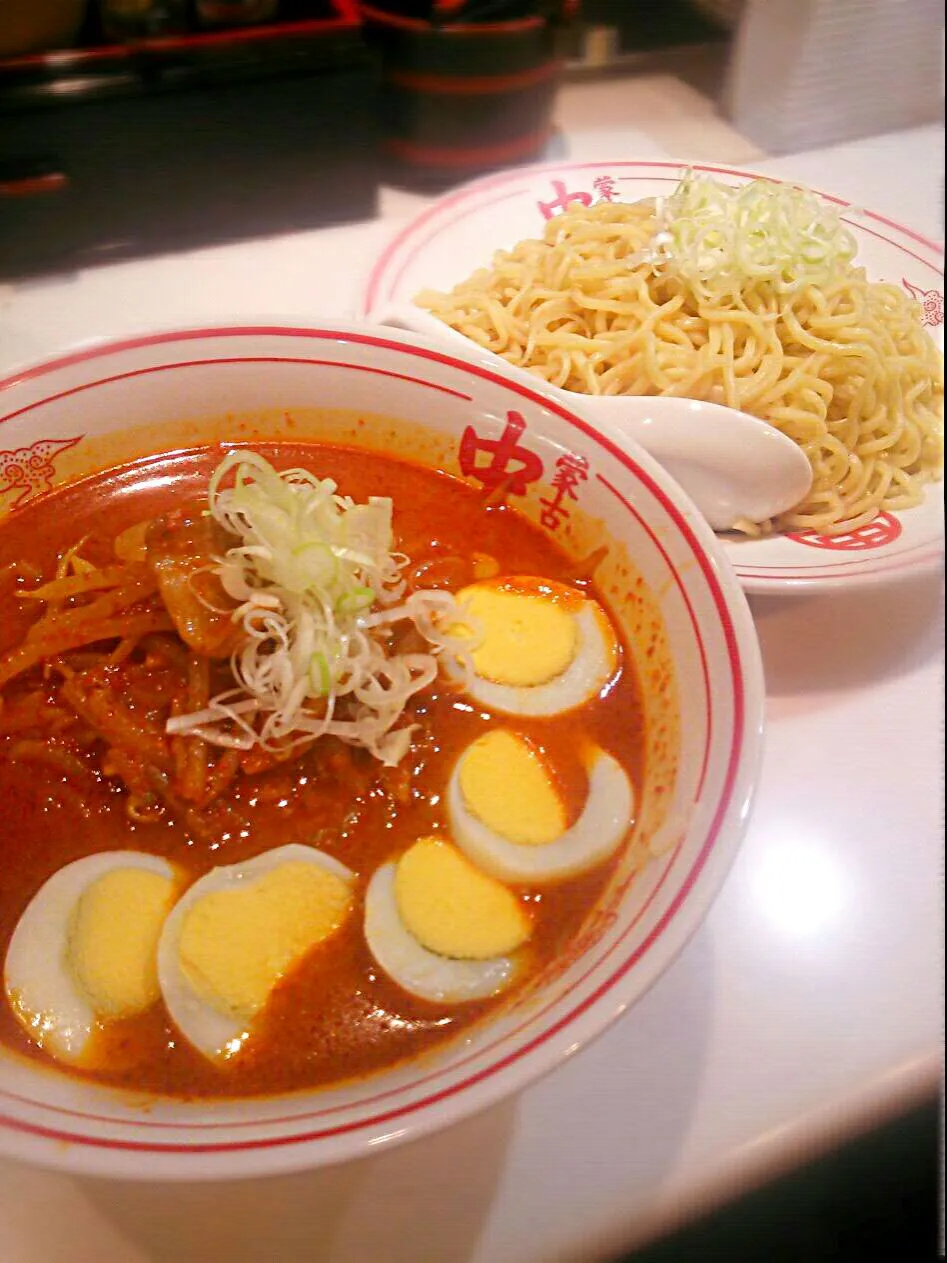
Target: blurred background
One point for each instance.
(134, 127)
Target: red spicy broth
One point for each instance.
(336, 1015)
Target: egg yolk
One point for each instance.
(527, 638)
(506, 787)
(236, 944)
(114, 940)
(452, 908)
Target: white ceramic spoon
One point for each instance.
(731, 465)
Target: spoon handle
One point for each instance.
(732, 466)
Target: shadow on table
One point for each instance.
(848, 639)
(470, 1192)
(623, 1111)
(308, 1217)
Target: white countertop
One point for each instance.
(808, 1005)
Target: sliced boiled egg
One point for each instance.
(507, 816)
(84, 952)
(541, 647)
(237, 931)
(441, 929)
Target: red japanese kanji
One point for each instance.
(570, 471)
(509, 463)
(563, 198)
(604, 186)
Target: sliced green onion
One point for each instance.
(720, 238)
(355, 601)
(317, 586)
(320, 675)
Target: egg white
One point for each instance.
(219, 1035)
(599, 830)
(414, 967)
(592, 666)
(38, 979)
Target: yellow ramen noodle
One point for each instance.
(845, 369)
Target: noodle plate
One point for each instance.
(843, 367)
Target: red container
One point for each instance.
(460, 99)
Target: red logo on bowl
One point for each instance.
(509, 464)
(604, 186)
(884, 529)
(570, 471)
(562, 200)
(932, 303)
(31, 470)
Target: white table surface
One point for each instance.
(809, 1005)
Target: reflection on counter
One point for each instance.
(799, 886)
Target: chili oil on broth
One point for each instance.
(336, 1015)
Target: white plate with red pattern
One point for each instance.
(461, 230)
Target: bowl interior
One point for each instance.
(681, 613)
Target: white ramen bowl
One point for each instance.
(668, 585)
